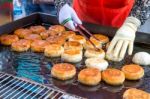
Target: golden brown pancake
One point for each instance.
(8, 39)
(103, 39)
(94, 53)
(57, 28)
(53, 50)
(133, 71)
(78, 38)
(72, 55)
(56, 40)
(37, 29)
(33, 37)
(73, 45)
(63, 71)
(21, 45)
(113, 76)
(89, 76)
(21, 33)
(88, 45)
(72, 51)
(134, 93)
(39, 45)
(68, 34)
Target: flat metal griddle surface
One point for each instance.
(37, 67)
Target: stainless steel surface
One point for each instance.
(12, 87)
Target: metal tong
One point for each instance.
(80, 28)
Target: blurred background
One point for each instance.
(15, 9)
(6, 10)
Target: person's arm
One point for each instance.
(125, 36)
(140, 10)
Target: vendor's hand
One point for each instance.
(124, 39)
(68, 17)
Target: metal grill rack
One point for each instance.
(12, 87)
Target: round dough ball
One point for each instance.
(89, 76)
(98, 63)
(141, 58)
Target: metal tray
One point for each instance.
(37, 67)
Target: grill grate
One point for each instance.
(12, 87)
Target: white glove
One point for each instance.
(124, 39)
(67, 12)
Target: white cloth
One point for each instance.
(124, 39)
(68, 12)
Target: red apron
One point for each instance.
(104, 12)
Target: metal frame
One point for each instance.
(12, 87)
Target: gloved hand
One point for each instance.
(124, 39)
(68, 17)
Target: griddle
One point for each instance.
(37, 67)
